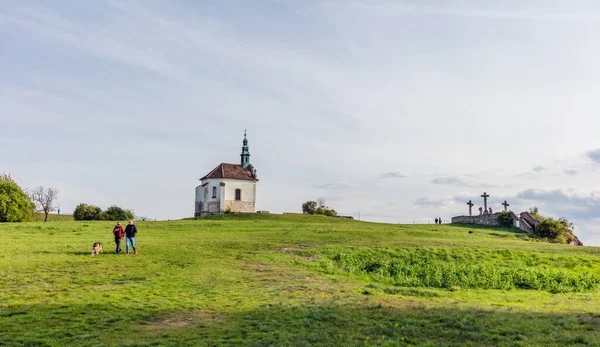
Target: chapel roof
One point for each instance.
(231, 171)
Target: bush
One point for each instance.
(554, 230)
(87, 212)
(117, 213)
(330, 212)
(15, 205)
(505, 219)
(309, 207)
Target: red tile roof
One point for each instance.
(231, 171)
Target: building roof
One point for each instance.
(231, 171)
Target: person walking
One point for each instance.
(130, 232)
(436, 221)
(118, 231)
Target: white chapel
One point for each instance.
(228, 188)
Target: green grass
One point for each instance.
(52, 217)
(292, 280)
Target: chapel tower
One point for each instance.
(245, 153)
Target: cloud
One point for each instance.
(478, 12)
(553, 195)
(594, 155)
(571, 172)
(564, 202)
(458, 182)
(337, 186)
(454, 181)
(395, 174)
(539, 169)
(427, 202)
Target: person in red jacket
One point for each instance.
(118, 231)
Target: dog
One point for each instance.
(97, 248)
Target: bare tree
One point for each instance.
(44, 199)
(321, 202)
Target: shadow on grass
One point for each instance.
(412, 325)
(88, 253)
(329, 324)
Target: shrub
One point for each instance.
(309, 207)
(554, 230)
(330, 212)
(117, 213)
(87, 212)
(15, 204)
(505, 219)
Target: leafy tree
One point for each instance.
(44, 199)
(505, 219)
(309, 207)
(117, 213)
(554, 230)
(15, 204)
(87, 212)
(330, 212)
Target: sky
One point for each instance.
(400, 111)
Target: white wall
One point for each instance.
(248, 189)
(224, 194)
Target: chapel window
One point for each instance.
(214, 192)
(238, 194)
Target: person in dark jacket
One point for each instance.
(118, 231)
(130, 232)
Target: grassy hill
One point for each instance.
(52, 217)
(294, 280)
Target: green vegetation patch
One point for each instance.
(464, 268)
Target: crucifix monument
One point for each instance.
(470, 207)
(485, 196)
(505, 204)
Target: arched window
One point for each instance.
(238, 194)
(214, 192)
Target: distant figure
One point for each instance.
(436, 221)
(130, 232)
(59, 211)
(440, 220)
(118, 232)
(490, 210)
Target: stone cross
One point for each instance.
(470, 207)
(505, 204)
(485, 196)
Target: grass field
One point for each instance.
(52, 217)
(294, 281)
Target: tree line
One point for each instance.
(19, 205)
(91, 212)
(318, 207)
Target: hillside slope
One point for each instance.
(294, 280)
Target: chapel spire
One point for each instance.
(245, 153)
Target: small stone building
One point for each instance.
(228, 188)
